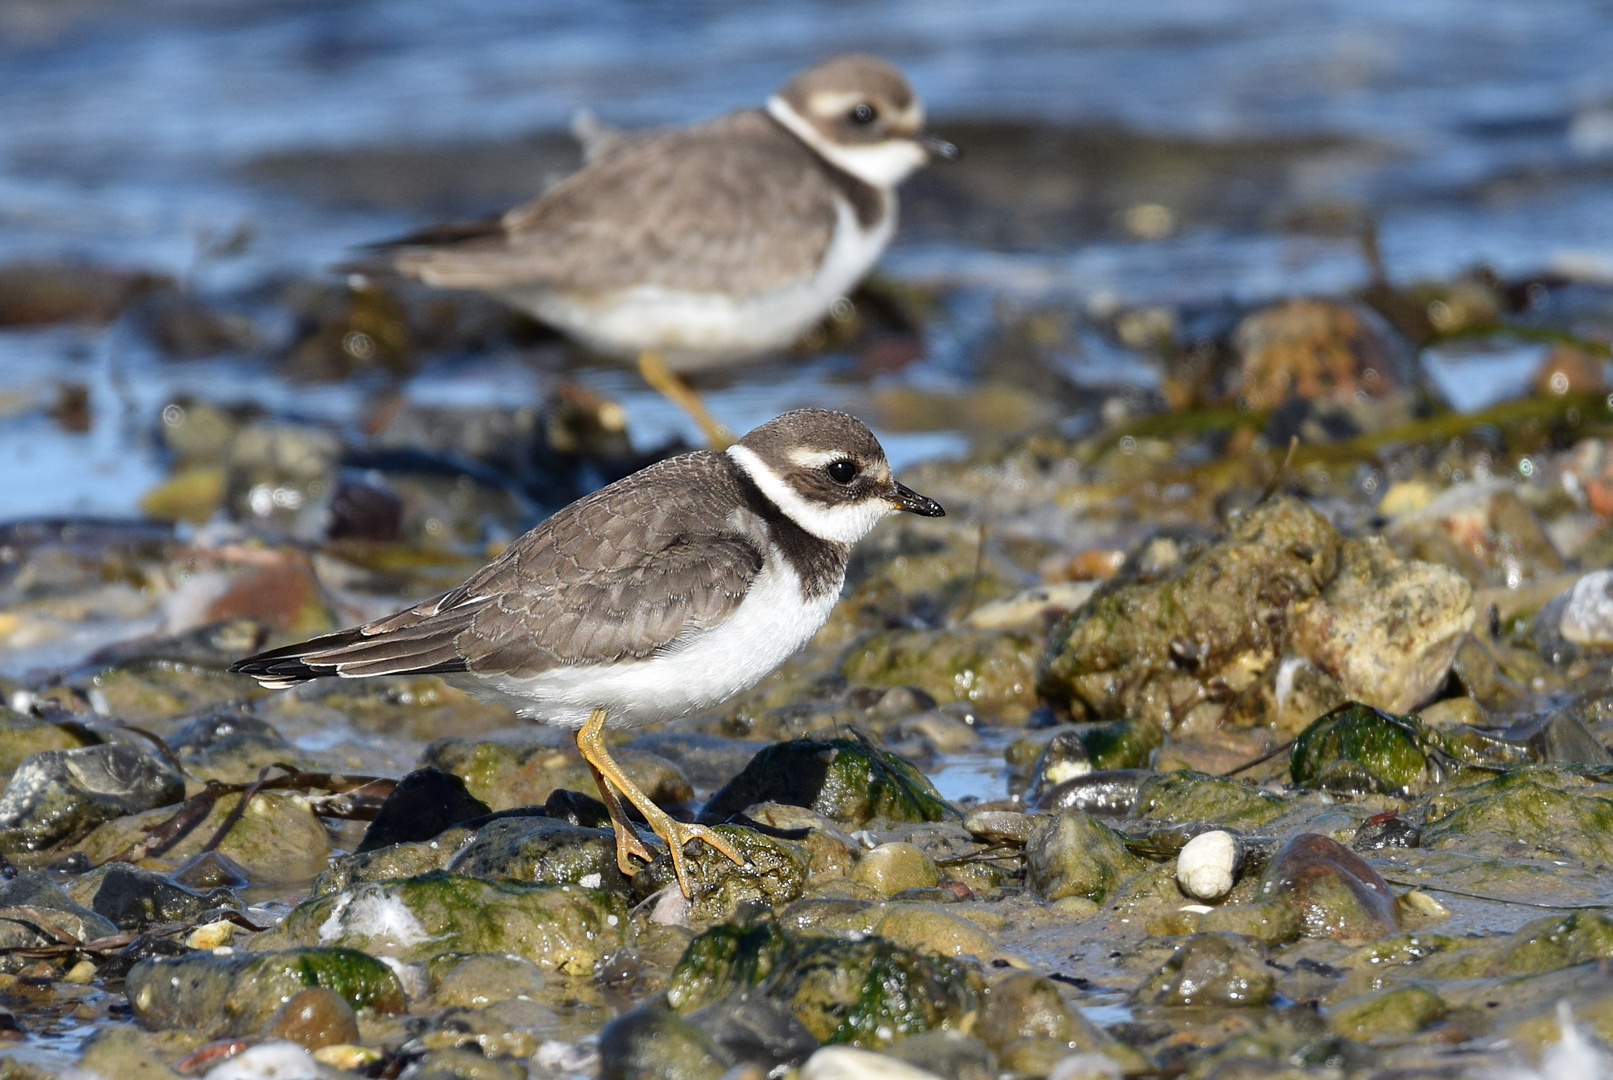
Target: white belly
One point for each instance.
(697, 330)
(770, 625)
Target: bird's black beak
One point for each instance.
(914, 503)
(938, 147)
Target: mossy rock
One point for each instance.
(1186, 795)
(277, 839)
(1169, 650)
(562, 927)
(393, 861)
(993, 670)
(1523, 806)
(506, 776)
(1210, 970)
(1356, 749)
(867, 992)
(542, 849)
(1388, 1014)
(846, 780)
(1074, 854)
(236, 994)
(23, 736)
(774, 873)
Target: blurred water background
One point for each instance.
(1181, 152)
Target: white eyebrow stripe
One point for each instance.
(815, 459)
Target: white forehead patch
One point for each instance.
(882, 164)
(814, 459)
(843, 524)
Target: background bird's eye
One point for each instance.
(842, 471)
(862, 113)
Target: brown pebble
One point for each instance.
(314, 1018)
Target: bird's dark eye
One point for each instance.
(842, 471)
(862, 113)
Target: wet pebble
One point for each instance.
(850, 1063)
(1210, 969)
(890, 868)
(313, 1018)
(1331, 889)
(1072, 854)
(423, 804)
(58, 794)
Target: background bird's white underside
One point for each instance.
(694, 330)
(770, 624)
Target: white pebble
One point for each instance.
(269, 1061)
(850, 1063)
(1588, 618)
(1206, 868)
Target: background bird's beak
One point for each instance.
(914, 503)
(938, 147)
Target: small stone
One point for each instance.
(1087, 1067)
(999, 827)
(1025, 1003)
(1386, 831)
(278, 1060)
(313, 1018)
(1210, 969)
(347, 1056)
(890, 868)
(542, 849)
(850, 1063)
(1187, 796)
(1207, 866)
(1420, 903)
(1357, 749)
(211, 935)
(1588, 617)
(82, 973)
(1064, 758)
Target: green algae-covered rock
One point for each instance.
(1356, 749)
(562, 927)
(774, 872)
(868, 992)
(1210, 969)
(1522, 806)
(993, 670)
(1269, 922)
(1403, 1011)
(236, 994)
(1555, 942)
(1194, 796)
(1170, 651)
(542, 849)
(1074, 854)
(846, 780)
(726, 959)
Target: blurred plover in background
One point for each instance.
(656, 597)
(697, 246)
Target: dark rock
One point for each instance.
(845, 780)
(1391, 831)
(132, 897)
(1333, 891)
(62, 794)
(1210, 969)
(542, 849)
(214, 996)
(27, 894)
(143, 947)
(209, 870)
(758, 1030)
(424, 803)
(652, 1041)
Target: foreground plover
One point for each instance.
(656, 597)
(696, 246)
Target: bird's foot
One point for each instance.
(678, 833)
(628, 844)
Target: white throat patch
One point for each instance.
(845, 524)
(884, 164)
